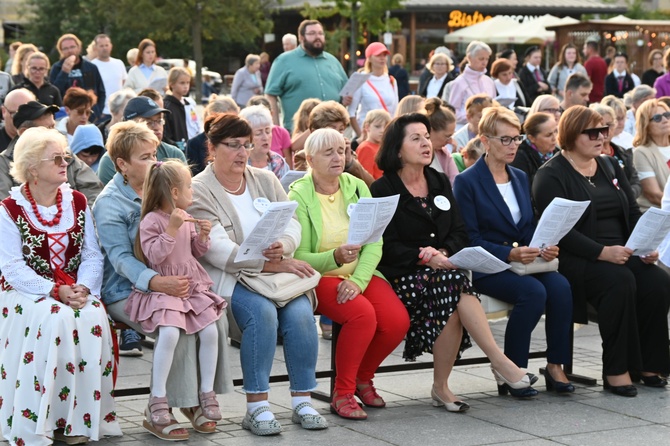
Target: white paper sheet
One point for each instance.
(159, 84)
(479, 260)
(369, 218)
(273, 222)
(290, 177)
(556, 221)
(649, 231)
(354, 83)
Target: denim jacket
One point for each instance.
(117, 216)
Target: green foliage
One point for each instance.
(370, 14)
(226, 24)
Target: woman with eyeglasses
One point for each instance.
(494, 199)
(79, 107)
(655, 62)
(624, 157)
(630, 294)
(36, 79)
(426, 229)
(233, 195)
(546, 103)
(652, 150)
(56, 362)
(261, 156)
(440, 65)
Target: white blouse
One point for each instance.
(15, 269)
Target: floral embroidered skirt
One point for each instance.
(55, 370)
(431, 297)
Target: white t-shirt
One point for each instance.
(246, 212)
(113, 74)
(193, 124)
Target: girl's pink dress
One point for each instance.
(174, 256)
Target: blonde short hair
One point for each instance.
(440, 57)
(36, 55)
(175, 73)
(643, 121)
(64, 37)
(492, 116)
(29, 150)
(322, 139)
(541, 102)
(124, 137)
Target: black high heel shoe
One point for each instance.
(558, 386)
(519, 389)
(627, 390)
(657, 381)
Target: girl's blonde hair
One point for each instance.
(162, 177)
(411, 104)
(378, 115)
(175, 73)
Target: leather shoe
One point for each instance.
(558, 386)
(627, 390)
(456, 406)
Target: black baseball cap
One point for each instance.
(141, 107)
(32, 110)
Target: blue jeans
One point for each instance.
(260, 321)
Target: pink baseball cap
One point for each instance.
(375, 49)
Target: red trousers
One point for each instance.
(373, 325)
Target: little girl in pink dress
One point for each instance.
(168, 243)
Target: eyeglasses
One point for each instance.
(315, 33)
(439, 64)
(38, 69)
(659, 117)
(237, 145)
(155, 122)
(507, 140)
(82, 111)
(552, 110)
(595, 132)
(58, 159)
(11, 113)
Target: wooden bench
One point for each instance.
(494, 309)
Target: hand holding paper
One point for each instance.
(273, 222)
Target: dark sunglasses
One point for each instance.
(595, 132)
(659, 117)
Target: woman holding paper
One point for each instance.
(494, 198)
(351, 291)
(425, 231)
(630, 294)
(232, 195)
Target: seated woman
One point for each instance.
(652, 142)
(630, 294)
(351, 291)
(262, 156)
(539, 146)
(439, 298)
(230, 193)
(52, 322)
(494, 199)
(132, 147)
(623, 156)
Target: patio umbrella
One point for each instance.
(481, 31)
(531, 32)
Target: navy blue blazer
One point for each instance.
(487, 218)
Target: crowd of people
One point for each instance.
(117, 199)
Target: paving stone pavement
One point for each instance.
(590, 416)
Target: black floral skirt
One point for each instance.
(431, 297)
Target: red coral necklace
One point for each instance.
(59, 206)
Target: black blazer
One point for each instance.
(557, 178)
(424, 88)
(530, 86)
(612, 85)
(412, 227)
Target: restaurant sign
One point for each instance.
(460, 19)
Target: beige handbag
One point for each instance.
(280, 288)
(539, 265)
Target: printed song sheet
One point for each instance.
(290, 177)
(556, 221)
(354, 83)
(369, 217)
(273, 222)
(479, 260)
(649, 231)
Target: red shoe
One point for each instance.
(369, 396)
(347, 407)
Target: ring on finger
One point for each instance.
(349, 252)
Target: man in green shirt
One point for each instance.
(303, 73)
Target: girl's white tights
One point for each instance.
(164, 353)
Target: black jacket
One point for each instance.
(175, 121)
(612, 85)
(448, 78)
(412, 228)
(530, 86)
(401, 76)
(557, 178)
(529, 160)
(47, 94)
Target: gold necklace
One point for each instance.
(331, 197)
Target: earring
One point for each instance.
(125, 179)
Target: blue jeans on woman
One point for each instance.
(260, 321)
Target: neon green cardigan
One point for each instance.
(309, 216)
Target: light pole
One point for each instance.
(353, 46)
